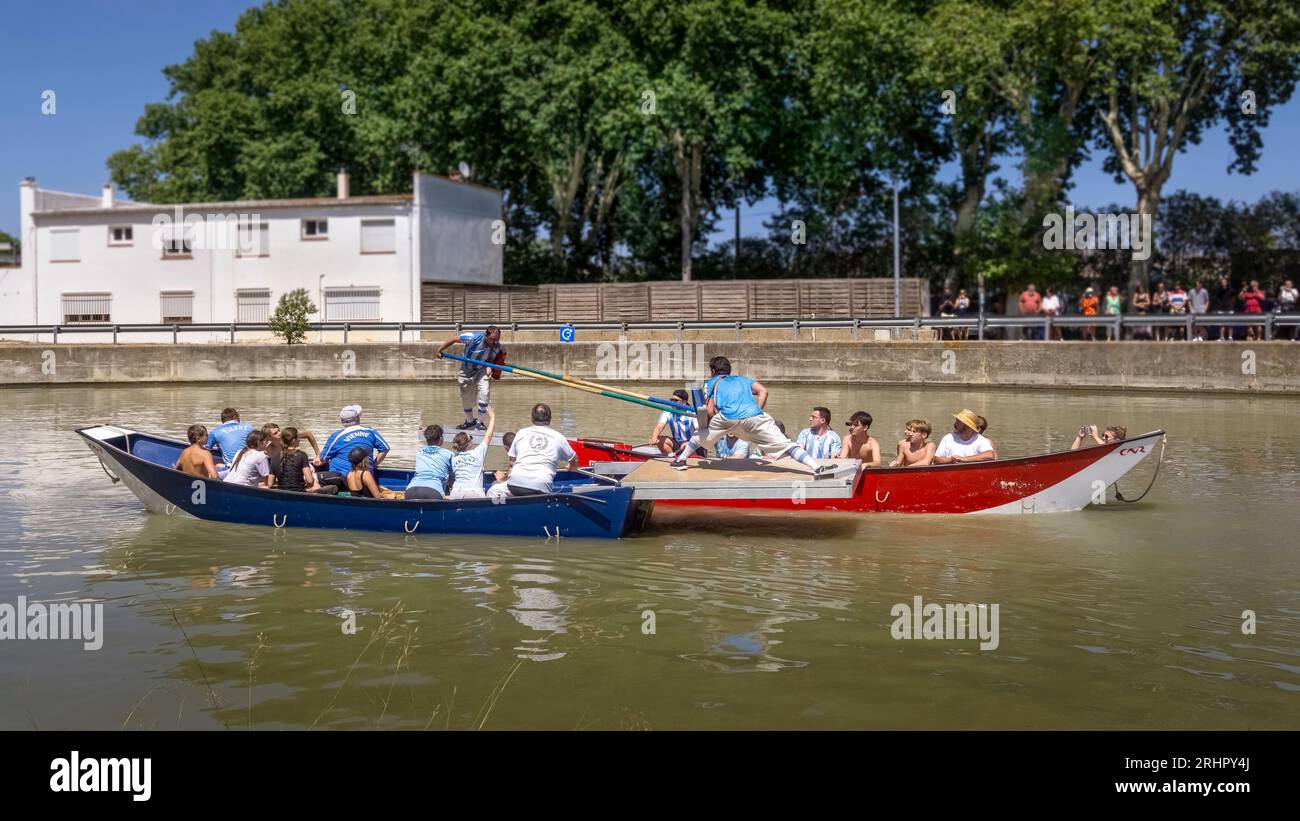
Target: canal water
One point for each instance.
(1123, 616)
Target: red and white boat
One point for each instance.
(1050, 483)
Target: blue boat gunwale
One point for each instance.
(569, 478)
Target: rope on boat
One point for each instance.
(279, 524)
(170, 508)
(405, 527)
(1119, 497)
(880, 501)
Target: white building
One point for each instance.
(90, 259)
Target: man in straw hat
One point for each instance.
(964, 444)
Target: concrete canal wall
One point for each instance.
(1244, 367)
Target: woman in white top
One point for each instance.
(1052, 307)
(467, 462)
(251, 467)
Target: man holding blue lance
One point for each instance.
(735, 406)
(473, 379)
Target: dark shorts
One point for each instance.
(331, 479)
(423, 493)
(516, 490)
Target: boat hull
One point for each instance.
(580, 508)
(1051, 483)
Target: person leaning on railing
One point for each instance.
(1287, 299)
(1140, 303)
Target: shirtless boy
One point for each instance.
(860, 444)
(196, 460)
(915, 450)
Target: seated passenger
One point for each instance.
(334, 457)
(432, 467)
(275, 444)
(732, 447)
(196, 460)
(673, 430)
(915, 450)
(251, 467)
(467, 461)
(294, 470)
(984, 425)
(818, 439)
(860, 444)
(502, 477)
(230, 436)
(964, 444)
(536, 454)
(361, 482)
(1114, 433)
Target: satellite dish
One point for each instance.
(464, 169)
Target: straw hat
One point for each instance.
(967, 418)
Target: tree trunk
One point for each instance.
(1139, 270)
(564, 190)
(689, 161)
(1043, 185)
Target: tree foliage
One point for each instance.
(621, 131)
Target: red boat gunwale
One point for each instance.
(1058, 481)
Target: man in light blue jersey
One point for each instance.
(732, 446)
(818, 439)
(334, 455)
(735, 406)
(475, 380)
(230, 435)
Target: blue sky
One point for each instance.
(104, 62)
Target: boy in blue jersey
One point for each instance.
(230, 436)
(475, 380)
(334, 455)
(735, 406)
(673, 430)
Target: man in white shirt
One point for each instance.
(818, 439)
(964, 444)
(536, 454)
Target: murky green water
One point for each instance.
(1125, 616)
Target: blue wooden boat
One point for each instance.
(582, 506)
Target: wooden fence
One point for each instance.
(711, 300)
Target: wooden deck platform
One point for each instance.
(732, 479)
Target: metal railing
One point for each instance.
(1114, 325)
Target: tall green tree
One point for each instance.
(1180, 68)
(718, 73)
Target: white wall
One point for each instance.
(136, 274)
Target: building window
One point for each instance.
(177, 307)
(352, 304)
(120, 235)
(378, 237)
(177, 246)
(315, 229)
(94, 307)
(254, 240)
(64, 245)
(252, 305)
